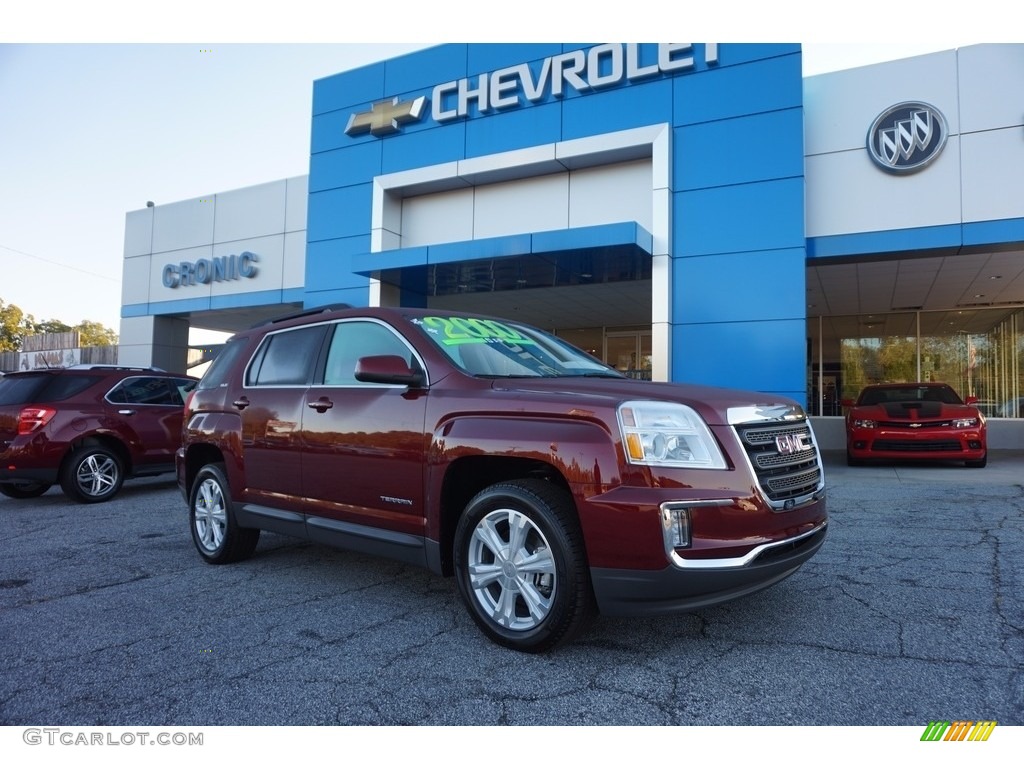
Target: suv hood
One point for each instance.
(712, 403)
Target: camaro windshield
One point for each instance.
(498, 349)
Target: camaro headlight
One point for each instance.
(667, 435)
(865, 423)
(965, 423)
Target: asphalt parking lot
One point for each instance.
(912, 611)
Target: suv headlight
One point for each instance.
(667, 435)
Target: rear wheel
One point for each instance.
(24, 490)
(215, 533)
(92, 473)
(521, 567)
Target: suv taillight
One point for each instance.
(188, 401)
(31, 419)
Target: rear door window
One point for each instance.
(286, 358)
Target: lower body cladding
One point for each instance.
(702, 565)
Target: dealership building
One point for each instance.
(686, 212)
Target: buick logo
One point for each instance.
(906, 137)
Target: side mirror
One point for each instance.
(971, 399)
(387, 369)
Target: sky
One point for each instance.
(96, 119)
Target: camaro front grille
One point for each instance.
(936, 446)
(782, 474)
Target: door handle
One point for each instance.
(126, 412)
(321, 405)
(241, 402)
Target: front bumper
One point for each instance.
(687, 585)
(895, 444)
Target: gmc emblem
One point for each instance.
(790, 444)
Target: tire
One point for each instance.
(538, 596)
(24, 490)
(216, 535)
(92, 473)
(851, 461)
(979, 464)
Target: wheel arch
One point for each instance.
(464, 478)
(102, 440)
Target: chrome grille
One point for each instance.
(783, 477)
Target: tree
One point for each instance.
(93, 334)
(14, 326)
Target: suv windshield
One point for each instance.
(496, 349)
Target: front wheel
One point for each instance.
(91, 474)
(215, 533)
(24, 490)
(521, 567)
(978, 464)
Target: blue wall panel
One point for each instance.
(329, 132)
(616, 109)
(356, 296)
(422, 70)
(423, 148)
(487, 58)
(331, 263)
(344, 167)
(341, 212)
(761, 285)
(731, 91)
(765, 356)
(755, 148)
(515, 129)
(749, 217)
(947, 236)
(343, 90)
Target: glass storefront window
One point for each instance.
(979, 352)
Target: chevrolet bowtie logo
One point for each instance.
(386, 117)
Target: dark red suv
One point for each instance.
(548, 484)
(88, 428)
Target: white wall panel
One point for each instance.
(847, 193)
(445, 217)
(993, 174)
(297, 198)
(839, 107)
(609, 194)
(184, 224)
(135, 280)
(250, 212)
(991, 83)
(527, 205)
(159, 292)
(293, 274)
(269, 268)
(138, 232)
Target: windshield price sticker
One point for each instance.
(473, 330)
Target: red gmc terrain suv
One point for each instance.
(546, 483)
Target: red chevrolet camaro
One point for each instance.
(913, 422)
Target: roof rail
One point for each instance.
(302, 313)
(113, 367)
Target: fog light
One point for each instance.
(675, 525)
(974, 444)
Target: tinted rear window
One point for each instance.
(42, 387)
(220, 369)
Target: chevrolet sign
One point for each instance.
(599, 67)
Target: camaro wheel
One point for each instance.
(92, 473)
(521, 565)
(215, 533)
(24, 490)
